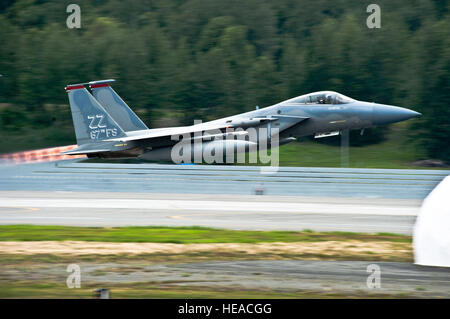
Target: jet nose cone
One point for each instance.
(386, 114)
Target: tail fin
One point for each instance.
(115, 106)
(91, 121)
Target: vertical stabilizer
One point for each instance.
(116, 107)
(91, 121)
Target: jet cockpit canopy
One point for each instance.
(323, 97)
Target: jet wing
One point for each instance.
(166, 132)
(180, 130)
(111, 145)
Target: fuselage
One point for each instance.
(106, 127)
(331, 113)
(348, 114)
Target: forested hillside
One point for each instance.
(202, 59)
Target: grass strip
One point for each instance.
(180, 235)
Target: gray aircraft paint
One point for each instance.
(117, 108)
(91, 121)
(309, 114)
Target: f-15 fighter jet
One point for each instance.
(106, 127)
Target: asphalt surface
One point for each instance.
(220, 179)
(252, 212)
(322, 199)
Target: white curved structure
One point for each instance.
(432, 229)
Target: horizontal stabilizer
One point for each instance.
(74, 152)
(88, 149)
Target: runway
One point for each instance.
(322, 199)
(220, 179)
(250, 212)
